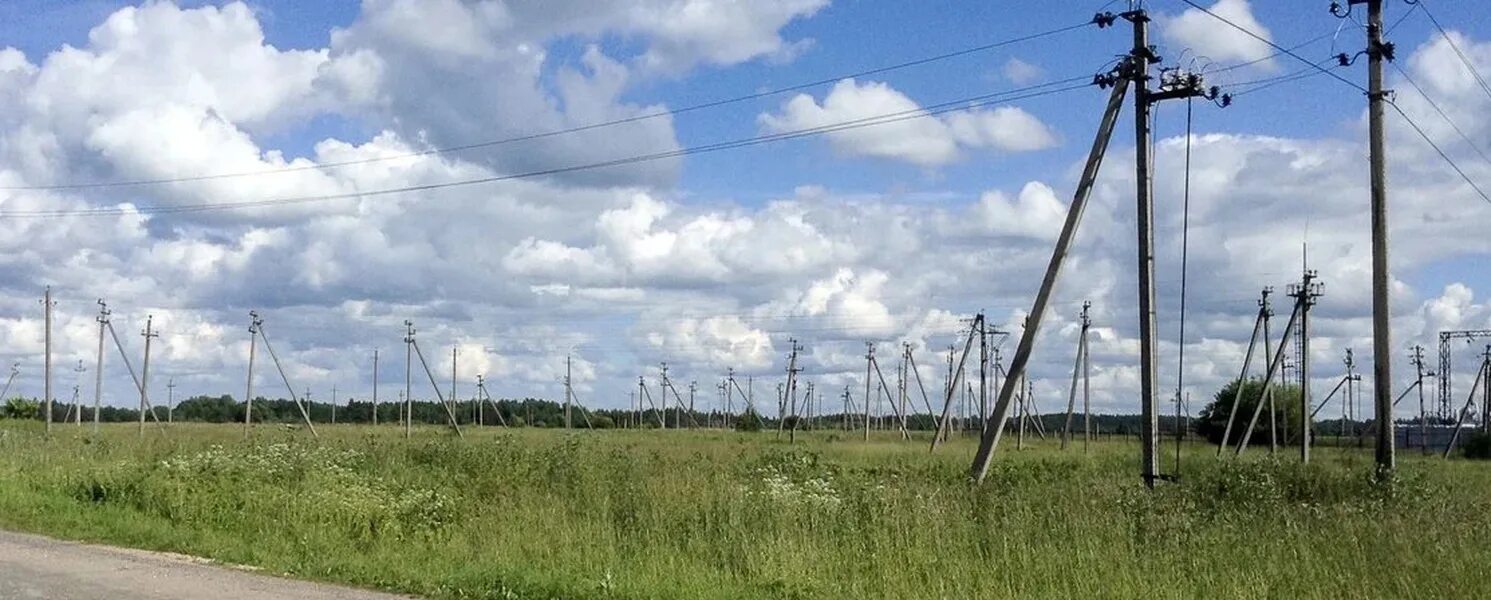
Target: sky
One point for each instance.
(894, 233)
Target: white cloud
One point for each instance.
(927, 141)
(1203, 34)
(1020, 72)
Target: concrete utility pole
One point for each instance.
(333, 404)
(451, 403)
(954, 381)
(1079, 366)
(98, 368)
(375, 386)
(791, 391)
(869, 361)
(248, 392)
(408, 379)
(567, 395)
(171, 400)
(1418, 382)
(149, 334)
(1305, 294)
(47, 304)
(76, 389)
(994, 427)
(1382, 373)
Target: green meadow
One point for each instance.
(544, 513)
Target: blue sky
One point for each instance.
(946, 236)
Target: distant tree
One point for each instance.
(1213, 419)
(750, 421)
(21, 408)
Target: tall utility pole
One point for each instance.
(869, 362)
(98, 368)
(983, 370)
(248, 392)
(1382, 347)
(149, 334)
(567, 394)
(1148, 360)
(452, 402)
(375, 386)
(408, 379)
(47, 304)
(1305, 295)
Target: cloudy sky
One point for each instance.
(292, 121)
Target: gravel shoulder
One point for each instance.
(33, 566)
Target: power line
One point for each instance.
(1456, 47)
(1442, 114)
(1441, 152)
(558, 132)
(918, 113)
(1277, 47)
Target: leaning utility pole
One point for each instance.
(994, 427)
(954, 380)
(450, 412)
(1382, 347)
(47, 304)
(149, 334)
(1079, 366)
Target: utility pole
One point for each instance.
(1382, 347)
(333, 404)
(98, 369)
(149, 334)
(452, 402)
(1305, 295)
(1079, 367)
(77, 404)
(375, 386)
(170, 400)
(869, 362)
(248, 393)
(983, 370)
(567, 393)
(1418, 367)
(47, 304)
(791, 390)
(408, 379)
(1119, 80)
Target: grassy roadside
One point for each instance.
(616, 514)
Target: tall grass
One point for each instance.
(675, 514)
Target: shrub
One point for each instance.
(1478, 446)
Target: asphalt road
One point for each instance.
(38, 567)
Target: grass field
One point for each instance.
(532, 513)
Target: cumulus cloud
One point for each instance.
(623, 270)
(927, 141)
(1205, 35)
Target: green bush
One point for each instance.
(1478, 446)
